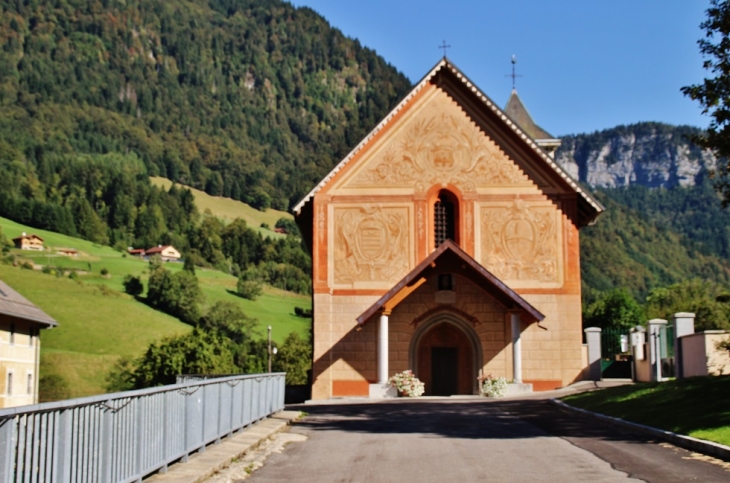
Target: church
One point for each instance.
(447, 242)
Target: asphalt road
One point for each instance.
(443, 440)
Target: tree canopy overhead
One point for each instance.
(714, 92)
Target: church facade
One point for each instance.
(446, 243)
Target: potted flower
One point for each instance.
(491, 386)
(407, 384)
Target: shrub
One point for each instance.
(104, 272)
(133, 285)
(52, 387)
(249, 289)
(304, 313)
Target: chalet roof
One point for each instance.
(30, 235)
(159, 249)
(588, 205)
(15, 305)
(517, 111)
(450, 258)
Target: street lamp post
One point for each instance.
(269, 348)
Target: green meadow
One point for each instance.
(98, 322)
(227, 209)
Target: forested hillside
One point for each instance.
(249, 99)
(664, 239)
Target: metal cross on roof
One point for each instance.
(513, 74)
(444, 46)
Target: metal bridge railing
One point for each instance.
(125, 436)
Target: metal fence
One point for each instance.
(125, 436)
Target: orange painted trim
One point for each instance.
(421, 224)
(372, 198)
(544, 385)
(432, 196)
(320, 238)
(564, 290)
(350, 388)
(343, 291)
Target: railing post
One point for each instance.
(7, 448)
(62, 447)
(106, 444)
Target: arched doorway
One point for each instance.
(445, 354)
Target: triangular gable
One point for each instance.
(449, 258)
(473, 101)
(433, 142)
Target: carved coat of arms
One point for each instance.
(520, 243)
(370, 244)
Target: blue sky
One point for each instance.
(586, 65)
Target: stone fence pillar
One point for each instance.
(684, 324)
(593, 340)
(655, 348)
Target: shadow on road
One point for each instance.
(477, 419)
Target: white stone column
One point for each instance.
(383, 348)
(516, 348)
(593, 341)
(655, 354)
(684, 324)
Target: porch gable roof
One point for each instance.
(450, 258)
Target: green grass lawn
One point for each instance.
(94, 329)
(228, 209)
(696, 406)
(98, 323)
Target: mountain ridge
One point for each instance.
(650, 154)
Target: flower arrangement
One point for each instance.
(491, 386)
(407, 384)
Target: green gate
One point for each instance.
(666, 350)
(615, 354)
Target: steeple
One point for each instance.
(517, 111)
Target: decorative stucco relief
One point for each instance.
(521, 243)
(371, 244)
(440, 145)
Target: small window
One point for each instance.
(30, 384)
(10, 384)
(31, 336)
(443, 219)
(446, 282)
(12, 334)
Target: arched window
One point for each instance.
(445, 212)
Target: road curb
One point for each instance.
(202, 466)
(687, 442)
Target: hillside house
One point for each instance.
(20, 347)
(447, 243)
(29, 242)
(167, 253)
(68, 252)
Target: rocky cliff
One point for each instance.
(647, 154)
